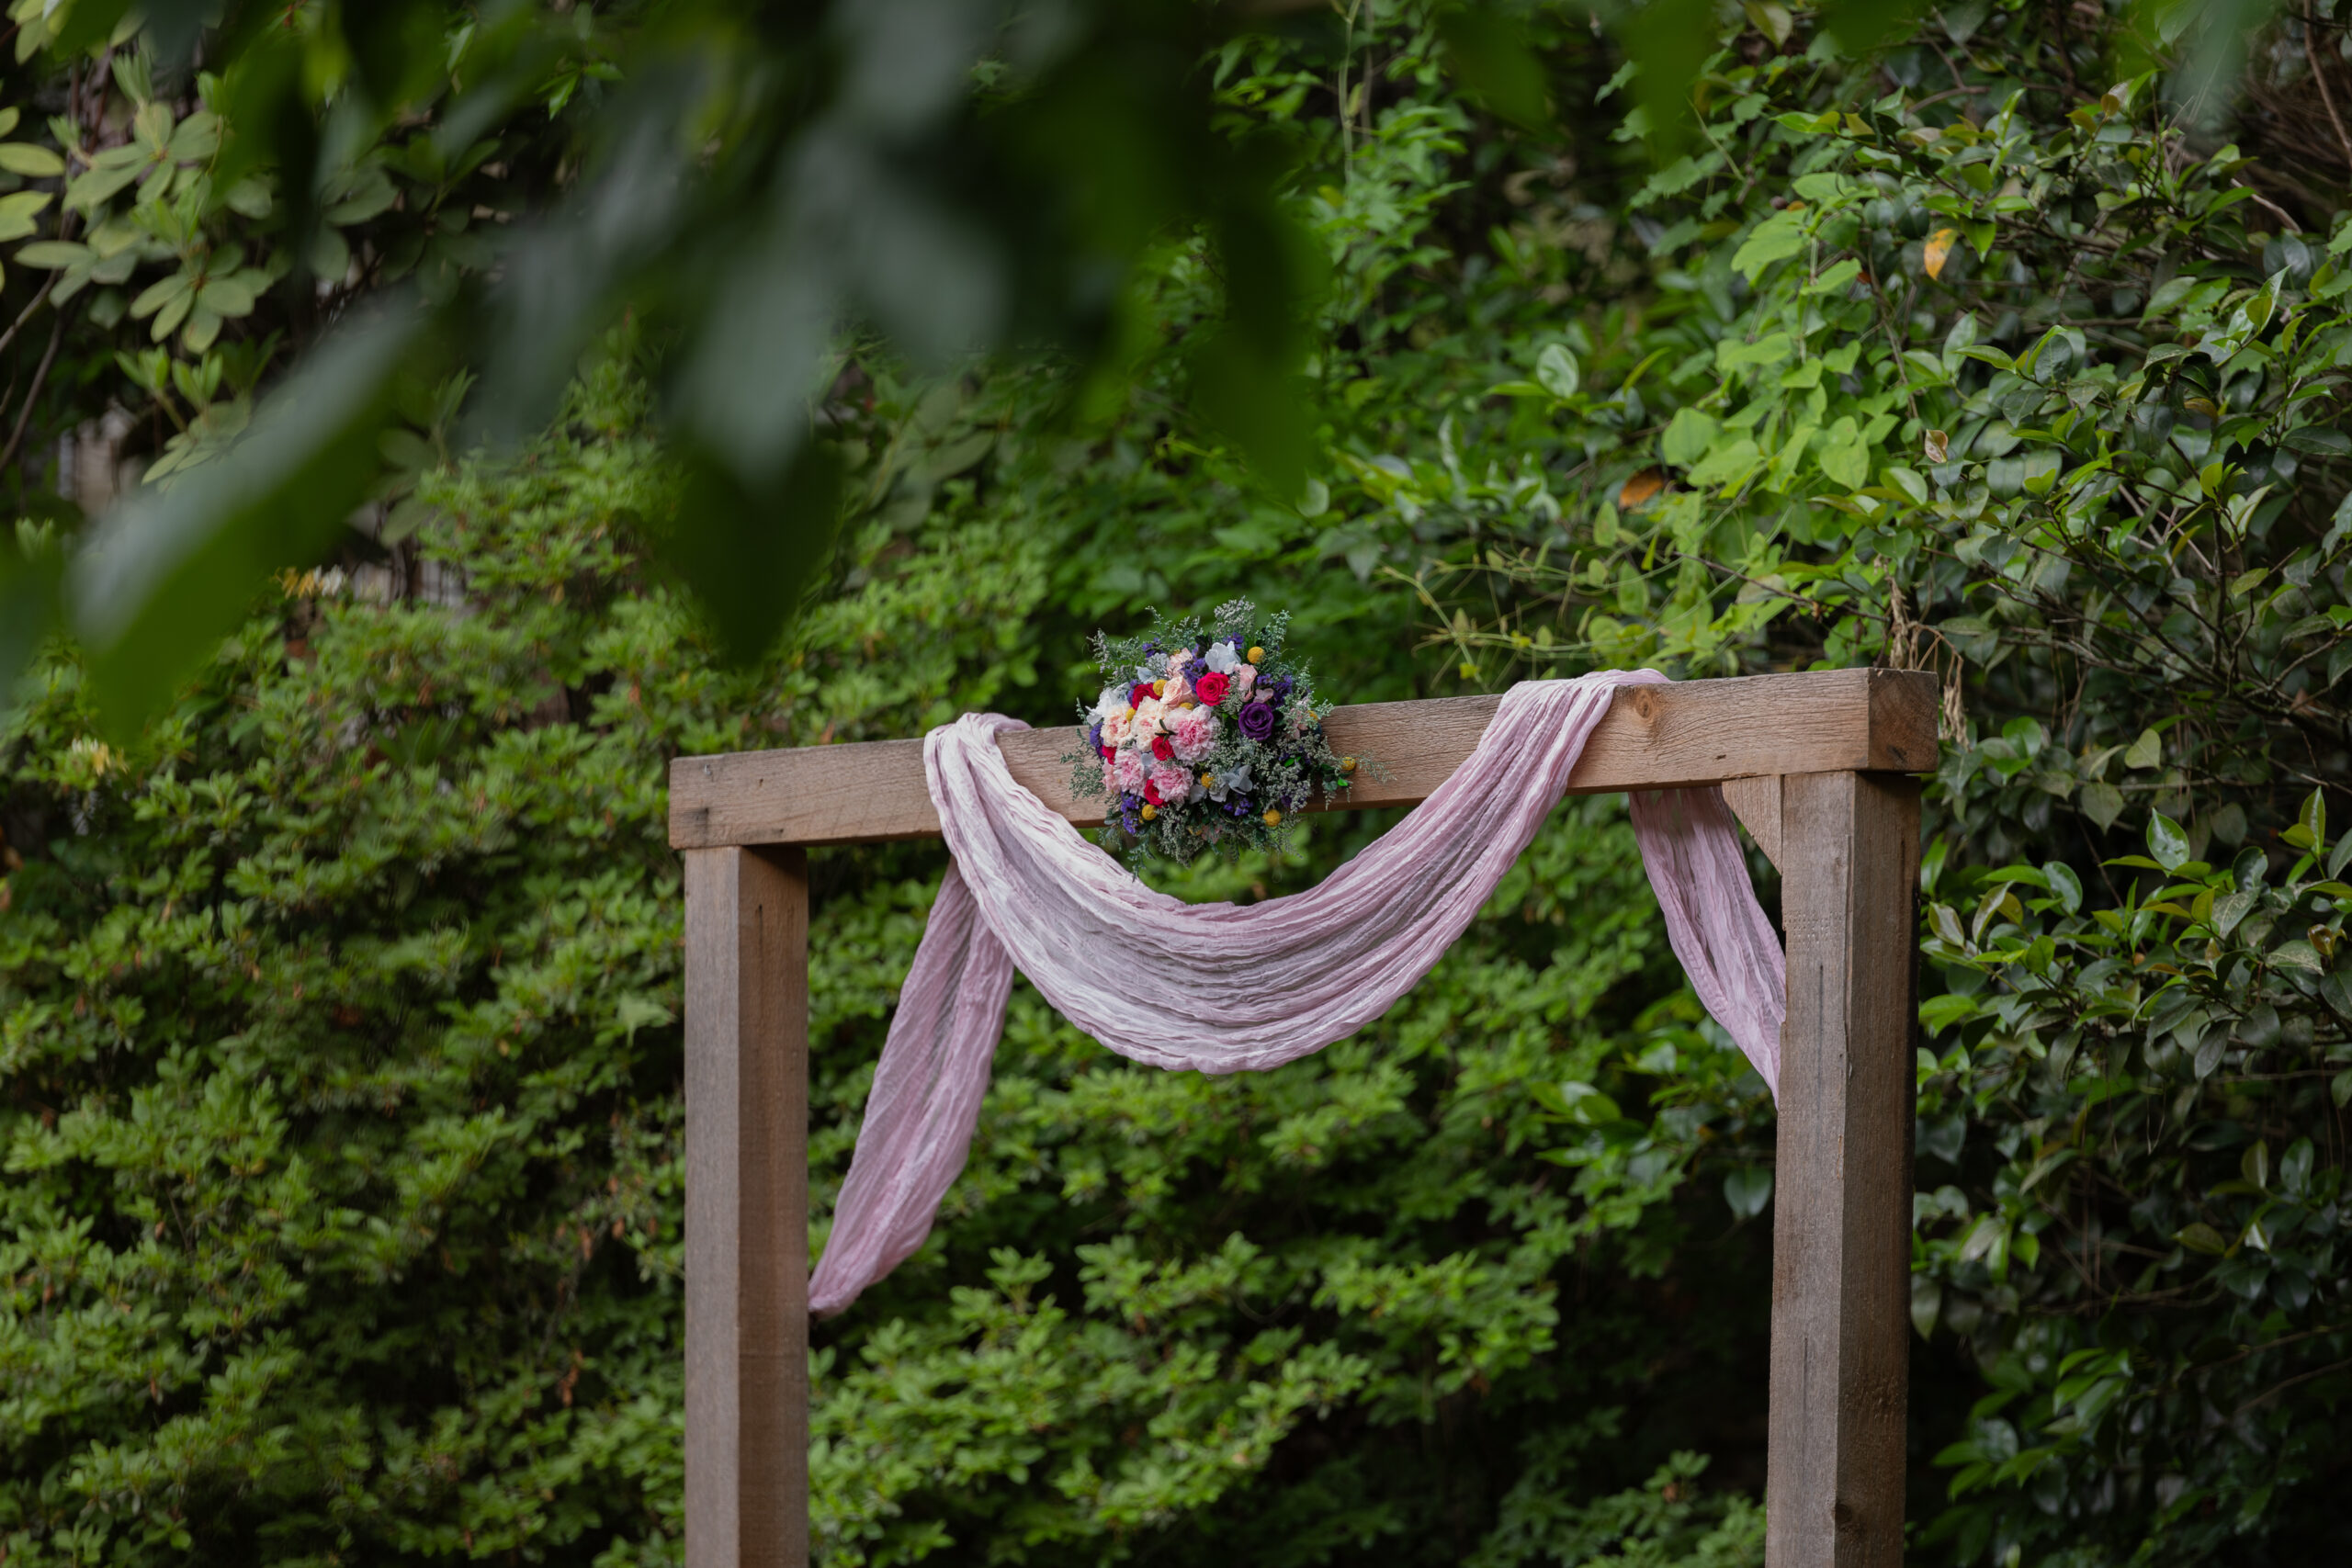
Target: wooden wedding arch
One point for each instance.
(1817, 768)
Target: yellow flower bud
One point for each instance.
(1273, 818)
(1160, 688)
(1207, 779)
(1347, 764)
(1149, 812)
(1256, 654)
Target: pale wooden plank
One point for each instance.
(1757, 803)
(747, 1208)
(1656, 737)
(1842, 1203)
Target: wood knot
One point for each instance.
(1646, 702)
(1841, 1518)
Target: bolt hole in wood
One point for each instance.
(1813, 766)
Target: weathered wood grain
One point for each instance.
(1654, 737)
(1841, 1224)
(747, 1208)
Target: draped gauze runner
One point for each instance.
(1221, 988)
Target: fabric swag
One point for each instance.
(1259, 985)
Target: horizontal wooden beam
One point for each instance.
(1662, 737)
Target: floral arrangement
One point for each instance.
(1204, 738)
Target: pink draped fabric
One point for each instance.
(1221, 988)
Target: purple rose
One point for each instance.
(1257, 721)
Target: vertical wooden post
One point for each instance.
(1841, 1231)
(747, 1208)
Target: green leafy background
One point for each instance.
(338, 1013)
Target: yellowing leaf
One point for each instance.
(1638, 490)
(1937, 447)
(1938, 251)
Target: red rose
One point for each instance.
(1162, 750)
(1137, 692)
(1211, 688)
(1151, 792)
(1108, 753)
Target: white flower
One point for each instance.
(1222, 660)
(1114, 700)
(1230, 781)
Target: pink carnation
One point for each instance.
(1128, 772)
(1173, 782)
(1244, 677)
(1194, 732)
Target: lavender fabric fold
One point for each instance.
(1224, 989)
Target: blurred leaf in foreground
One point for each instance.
(164, 576)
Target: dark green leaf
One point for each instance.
(1747, 1189)
(752, 555)
(170, 569)
(1488, 54)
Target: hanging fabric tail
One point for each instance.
(924, 1103)
(1690, 849)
